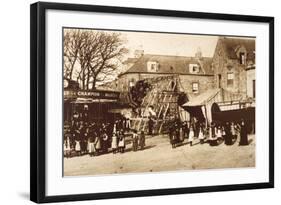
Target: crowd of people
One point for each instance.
(81, 136)
(214, 134)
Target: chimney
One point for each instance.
(138, 53)
(198, 53)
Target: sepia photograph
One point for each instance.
(142, 102)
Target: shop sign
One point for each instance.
(97, 94)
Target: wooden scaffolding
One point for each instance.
(162, 99)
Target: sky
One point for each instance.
(174, 44)
(170, 44)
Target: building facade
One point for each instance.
(194, 73)
(227, 80)
(234, 66)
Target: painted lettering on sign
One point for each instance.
(92, 94)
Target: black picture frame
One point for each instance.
(38, 100)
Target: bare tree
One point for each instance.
(72, 44)
(95, 56)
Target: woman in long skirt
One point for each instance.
(201, 136)
(98, 144)
(219, 135)
(172, 136)
(91, 145)
(228, 135)
(233, 131)
(114, 144)
(104, 144)
(67, 148)
(243, 134)
(174, 139)
(212, 135)
(191, 136)
(181, 138)
(135, 141)
(121, 143)
(78, 147)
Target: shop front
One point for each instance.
(90, 105)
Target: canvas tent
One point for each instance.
(200, 106)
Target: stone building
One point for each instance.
(234, 66)
(195, 73)
(233, 92)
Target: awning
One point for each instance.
(123, 111)
(202, 99)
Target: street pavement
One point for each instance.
(158, 155)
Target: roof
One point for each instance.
(171, 64)
(232, 44)
(203, 98)
(130, 60)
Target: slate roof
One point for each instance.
(131, 60)
(171, 64)
(231, 44)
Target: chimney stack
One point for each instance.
(138, 53)
(198, 53)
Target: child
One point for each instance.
(191, 136)
(121, 143)
(135, 141)
(142, 140)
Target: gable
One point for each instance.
(233, 46)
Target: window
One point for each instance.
(193, 68)
(132, 82)
(242, 58)
(195, 87)
(152, 66)
(230, 79)
(173, 85)
(219, 80)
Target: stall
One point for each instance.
(95, 103)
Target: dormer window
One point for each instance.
(242, 58)
(193, 68)
(152, 66)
